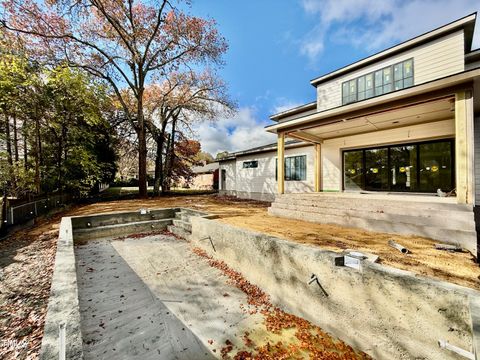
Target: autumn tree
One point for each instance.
(172, 108)
(124, 43)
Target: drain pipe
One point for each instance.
(61, 341)
(399, 247)
(444, 344)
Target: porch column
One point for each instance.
(281, 162)
(318, 167)
(463, 147)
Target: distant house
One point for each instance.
(206, 177)
(405, 120)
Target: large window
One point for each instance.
(295, 168)
(419, 167)
(383, 81)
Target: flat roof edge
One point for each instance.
(403, 46)
(294, 110)
(432, 85)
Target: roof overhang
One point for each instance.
(296, 110)
(467, 23)
(265, 149)
(346, 112)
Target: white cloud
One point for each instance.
(238, 132)
(283, 104)
(373, 25)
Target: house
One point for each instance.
(386, 135)
(205, 177)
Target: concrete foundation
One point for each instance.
(388, 313)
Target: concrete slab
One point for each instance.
(153, 298)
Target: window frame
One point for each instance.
(377, 89)
(415, 143)
(303, 172)
(254, 164)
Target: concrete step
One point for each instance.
(460, 220)
(182, 224)
(179, 232)
(419, 209)
(121, 229)
(427, 203)
(465, 238)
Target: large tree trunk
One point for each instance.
(38, 153)
(25, 145)
(158, 166)
(160, 141)
(11, 180)
(142, 149)
(169, 159)
(15, 137)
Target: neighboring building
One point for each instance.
(400, 121)
(206, 177)
(252, 174)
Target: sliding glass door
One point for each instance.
(418, 167)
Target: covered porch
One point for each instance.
(411, 146)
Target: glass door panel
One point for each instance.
(353, 170)
(436, 170)
(376, 169)
(403, 168)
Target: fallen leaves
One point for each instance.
(308, 339)
(27, 258)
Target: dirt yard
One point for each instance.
(424, 259)
(27, 257)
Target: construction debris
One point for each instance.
(398, 246)
(448, 247)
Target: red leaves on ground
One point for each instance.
(311, 339)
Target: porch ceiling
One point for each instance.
(436, 110)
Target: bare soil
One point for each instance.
(27, 257)
(456, 267)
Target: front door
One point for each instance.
(223, 179)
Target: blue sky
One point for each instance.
(277, 47)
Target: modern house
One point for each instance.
(383, 136)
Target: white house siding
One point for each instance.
(439, 58)
(260, 183)
(332, 149)
(228, 188)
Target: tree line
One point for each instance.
(146, 71)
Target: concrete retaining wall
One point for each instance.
(386, 312)
(63, 302)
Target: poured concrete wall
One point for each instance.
(63, 302)
(388, 313)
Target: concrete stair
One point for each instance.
(181, 225)
(430, 217)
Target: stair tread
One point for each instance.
(275, 211)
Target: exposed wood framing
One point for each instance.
(301, 135)
(281, 162)
(318, 167)
(463, 155)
